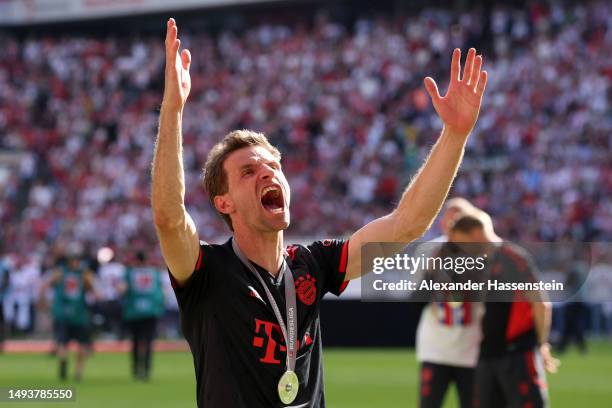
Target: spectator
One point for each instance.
(20, 295)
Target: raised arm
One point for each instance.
(423, 198)
(175, 228)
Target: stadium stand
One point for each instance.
(80, 113)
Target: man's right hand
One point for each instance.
(177, 79)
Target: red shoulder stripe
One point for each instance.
(199, 263)
(175, 283)
(344, 258)
(342, 266)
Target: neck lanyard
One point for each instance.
(290, 330)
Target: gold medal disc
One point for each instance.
(288, 387)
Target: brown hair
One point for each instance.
(466, 224)
(214, 175)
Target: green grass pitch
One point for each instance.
(354, 378)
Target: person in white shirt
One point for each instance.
(448, 334)
(110, 274)
(20, 294)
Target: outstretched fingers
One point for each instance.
(432, 89)
(482, 83)
(171, 32)
(186, 59)
(473, 83)
(469, 65)
(172, 42)
(455, 65)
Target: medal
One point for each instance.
(288, 387)
(289, 383)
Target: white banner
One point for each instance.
(15, 12)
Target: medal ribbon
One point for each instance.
(289, 331)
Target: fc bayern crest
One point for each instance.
(306, 289)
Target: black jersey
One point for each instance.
(238, 348)
(509, 326)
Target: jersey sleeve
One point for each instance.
(523, 263)
(525, 271)
(190, 293)
(532, 273)
(331, 257)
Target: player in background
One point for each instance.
(143, 305)
(70, 282)
(453, 209)
(514, 350)
(448, 334)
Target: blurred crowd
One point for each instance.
(344, 103)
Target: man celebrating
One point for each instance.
(250, 307)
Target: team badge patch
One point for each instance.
(306, 289)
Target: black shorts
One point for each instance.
(435, 379)
(512, 380)
(66, 332)
(143, 329)
(57, 331)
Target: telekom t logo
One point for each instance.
(263, 339)
(267, 328)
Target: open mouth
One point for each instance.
(272, 199)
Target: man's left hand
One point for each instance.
(551, 364)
